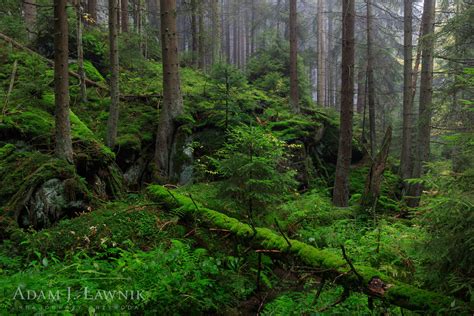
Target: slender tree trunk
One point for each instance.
(242, 35)
(416, 68)
(361, 96)
(29, 9)
(194, 32)
(10, 87)
(321, 96)
(294, 94)
(153, 16)
(406, 157)
(80, 53)
(202, 34)
(124, 15)
(277, 18)
(426, 93)
(92, 9)
(61, 82)
(228, 34)
(112, 121)
(235, 44)
(374, 178)
(370, 80)
(172, 98)
(216, 31)
(344, 154)
(331, 58)
(252, 28)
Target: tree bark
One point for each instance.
(344, 154)
(124, 15)
(228, 46)
(112, 121)
(194, 32)
(152, 10)
(30, 12)
(321, 96)
(92, 9)
(424, 109)
(294, 93)
(331, 91)
(216, 31)
(361, 88)
(61, 82)
(172, 97)
(10, 87)
(201, 36)
(374, 178)
(80, 53)
(406, 157)
(370, 81)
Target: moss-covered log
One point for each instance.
(393, 292)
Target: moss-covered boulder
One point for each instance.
(38, 190)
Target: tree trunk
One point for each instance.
(194, 32)
(374, 178)
(112, 121)
(331, 85)
(61, 82)
(29, 9)
(201, 36)
(426, 93)
(344, 154)
(216, 31)
(370, 81)
(80, 53)
(172, 98)
(153, 17)
(92, 10)
(228, 34)
(321, 96)
(124, 15)
(406, 157)
(294, 94)
(10, 87)
(361, 80)
(252, 28)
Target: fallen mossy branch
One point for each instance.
(335, 266)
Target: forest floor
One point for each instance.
(105, 232)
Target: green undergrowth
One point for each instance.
(306, 303)
(327, 259)
(126, 245)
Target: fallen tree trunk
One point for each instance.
(331, 264)
(48, 61)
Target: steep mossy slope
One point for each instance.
(36, 188)
(27, 122)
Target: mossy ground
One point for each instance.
(137, 242)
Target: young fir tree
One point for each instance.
(253, 163)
